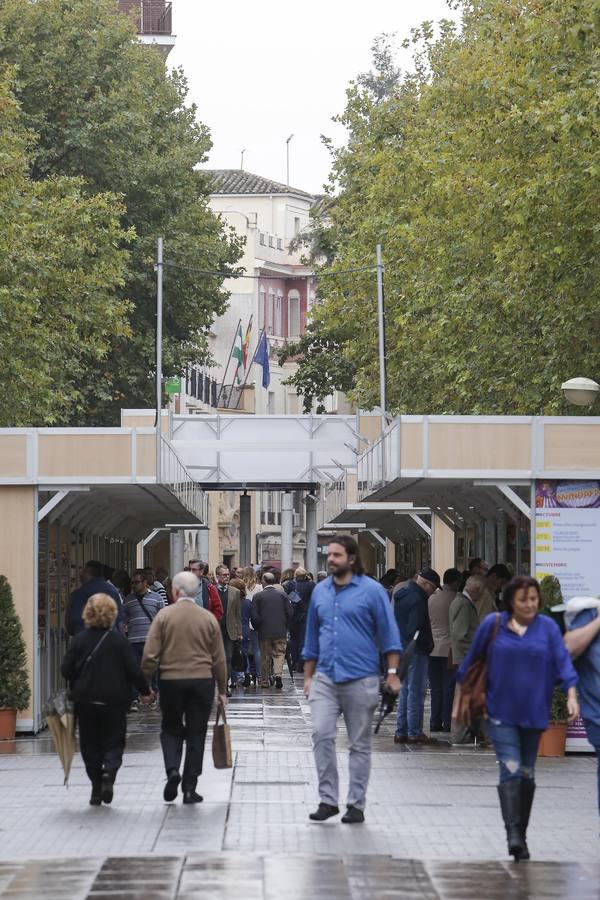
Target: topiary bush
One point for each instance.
(14, 682)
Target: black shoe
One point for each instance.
(106, 787)
(192, 797)
(278, 683)
(510, 804)
(170, 791)
(353, 816)
(247, 679)
(95, 799)
(325, 811)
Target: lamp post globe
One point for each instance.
(580, 391)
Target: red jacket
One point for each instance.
(214, 602)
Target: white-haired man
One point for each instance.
(185, 642)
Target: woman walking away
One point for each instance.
(252, 588)
(526, 658)
(101, 669)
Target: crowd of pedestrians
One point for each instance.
(182, 641)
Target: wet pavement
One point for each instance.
(433, 827)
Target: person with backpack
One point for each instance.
(139, 609)
(299, 590)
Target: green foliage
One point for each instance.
(104, 109)
(62, 264)
(14, 685)
(478, 173)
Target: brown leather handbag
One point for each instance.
(221, 745)
(472, 703)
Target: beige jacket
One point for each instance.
(185, 641)
(439, 616)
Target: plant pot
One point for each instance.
(8, 724)
(554, 740)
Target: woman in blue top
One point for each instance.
(525, 660)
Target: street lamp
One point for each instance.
(580, 391)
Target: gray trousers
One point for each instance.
(356, 701)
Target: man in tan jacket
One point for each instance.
(185, 642)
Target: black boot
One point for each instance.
(510, 804)
(106, 786)
(527, 792)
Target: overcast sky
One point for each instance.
(260, 71)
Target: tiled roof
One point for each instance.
(236, 181)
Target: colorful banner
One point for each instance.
(567, 545)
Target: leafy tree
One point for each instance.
(14, 685)
(61, 268)
(104, 109)
(479, 176)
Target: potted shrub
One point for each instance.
(554, 739)
(14, 685)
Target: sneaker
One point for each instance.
(170, 791)
(154, 705)
(325, 811)
(278, 683)
(135, 706)
(353, 816)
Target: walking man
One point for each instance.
(231, 622)
(412, 615)
(464, 620)
(140, 609)
(349, 625)
(271, 615)
(185, 641)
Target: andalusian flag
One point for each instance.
(238, 353)
(247, 342)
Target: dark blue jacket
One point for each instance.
(78, 599)
(411, 609)
(304, 589)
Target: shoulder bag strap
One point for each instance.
(147, 614)
(90, 655)
(493, 635)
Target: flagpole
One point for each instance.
(229, 360)
(260, 337)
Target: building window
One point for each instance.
(270, 318)
(293, 314)
(262, 310)
(296, 224)
(279, 244)
(278, 324)
(262, 239)
(271, 241)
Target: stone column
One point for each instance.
(177, 551)
(203, 544)
(287, 530)
(245, 529)
(501, 538)
(490, 542)
(311, 535)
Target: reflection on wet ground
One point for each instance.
(433, 829)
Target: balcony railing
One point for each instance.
(176, 477)
(150, 16)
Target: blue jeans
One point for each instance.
(412, 698)
(251, 648)
(516, 750)
(593, 733)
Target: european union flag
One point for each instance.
(262, 358)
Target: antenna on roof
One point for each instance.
(242, 160)
(287, 156)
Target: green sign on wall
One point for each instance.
(173, 385)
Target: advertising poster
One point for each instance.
(567, 545)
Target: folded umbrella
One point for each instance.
(60, 718)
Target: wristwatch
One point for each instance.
(393, 671)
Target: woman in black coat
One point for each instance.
(101, 669)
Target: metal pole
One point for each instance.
(159, 318)
(287, 156)
(381, 330)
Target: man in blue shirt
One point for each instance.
(583, 643)
(350, 623)
(92, 582)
